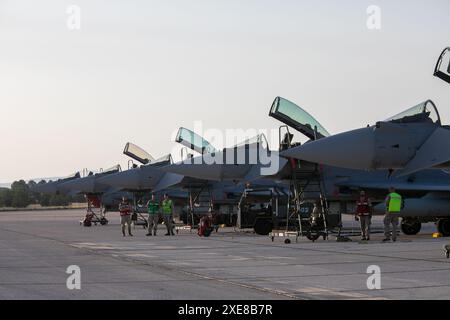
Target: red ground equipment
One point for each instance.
(205, 226)
(94, 212)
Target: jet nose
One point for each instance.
(353, 150)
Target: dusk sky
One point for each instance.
(137, 70)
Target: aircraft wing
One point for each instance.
(434, 152)
(168, 181)
(405, 186)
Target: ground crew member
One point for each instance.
(153, 215)
(364, 214)
(167, 209)
(394, 204)
(125, 215)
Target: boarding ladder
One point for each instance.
(306, 184)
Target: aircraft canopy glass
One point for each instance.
(163, 160)
(137, 153)
(259, 139)
(423, 112)
(193, 141)
(297, 118)
(75, 175)
(116, 168)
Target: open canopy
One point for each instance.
(137, 153)
(295, 117)
(423, 112)
(442, 69)
(193, 141)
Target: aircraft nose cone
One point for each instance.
(353, 150)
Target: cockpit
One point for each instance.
(259, 140)
(193, 141)
(295, 117)
(113, 169)
(423, 112)
(163, 161)
(75, 175)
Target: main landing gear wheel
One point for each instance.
(263, 227)
(411, 227)
(313, 236)
(444, 227)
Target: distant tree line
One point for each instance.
(21, 195)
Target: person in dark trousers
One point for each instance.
(167, 209)
(364, 214)
(125, 215)
(153, 210)
(394, 205)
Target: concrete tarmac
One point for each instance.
(37, 247)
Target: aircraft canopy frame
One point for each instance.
(295, 117)
(137, 153)
(438, 71)
(194, 141)
(422, 112)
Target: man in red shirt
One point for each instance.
(364, 214)
(125, 215)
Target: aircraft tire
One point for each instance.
(263, 227)
(411, 227)
(312, 236)
(444, 227)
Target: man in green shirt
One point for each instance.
(153, 215)
(167, 209)
(394, 204)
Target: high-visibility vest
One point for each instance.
(395, 202)
(167, 207)
(153, 207)
(363, 207)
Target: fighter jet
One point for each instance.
(425, 189)
(340, 186)
(440, 70)
(408, 142)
